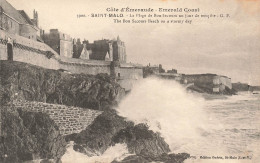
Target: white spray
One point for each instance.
(117, 152)
(167, 108)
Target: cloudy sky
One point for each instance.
(228, 46)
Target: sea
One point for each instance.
(232, 133)
(211, 128)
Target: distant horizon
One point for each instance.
(228, 47)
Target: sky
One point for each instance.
(229, 46)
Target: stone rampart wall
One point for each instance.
(25, 41)
(34, 57)
(69, 119)
(85, 68)
(200, 79)
(128, 76)
(130, 73)
(28, 51)
(85, 61)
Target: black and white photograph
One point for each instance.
(129, 81)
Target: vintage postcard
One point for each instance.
(129, 81)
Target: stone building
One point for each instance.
(150, 70)
(22, 40)
(77, 48)
(172, 71)
(216, 83)
(108, 50)
(60, 42)
(100, 48)
(176, 77)
(119, 50)
(84, 53)
(221, 82)
(18, 22)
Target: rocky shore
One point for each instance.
(27, 136)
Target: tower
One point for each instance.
(35, 18)
(119, 53)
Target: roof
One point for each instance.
(12, 12)
(26, 17)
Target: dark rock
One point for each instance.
(32, 83)
(180, 157)
(28, 136)
(98, 136)
(48, 161)
(244, 87)
(141, 140)
(109, 129)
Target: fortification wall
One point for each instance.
(84, 68)
(69, 119)
(28, 51)
(39, 54)
(34, 58)
(201, 79)
(24, 41)
(84, 61)
(221, 82)
(130, 72)
(226, 81)
(128, 76)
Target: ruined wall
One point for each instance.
(69, 119)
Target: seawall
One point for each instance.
(69, 119)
